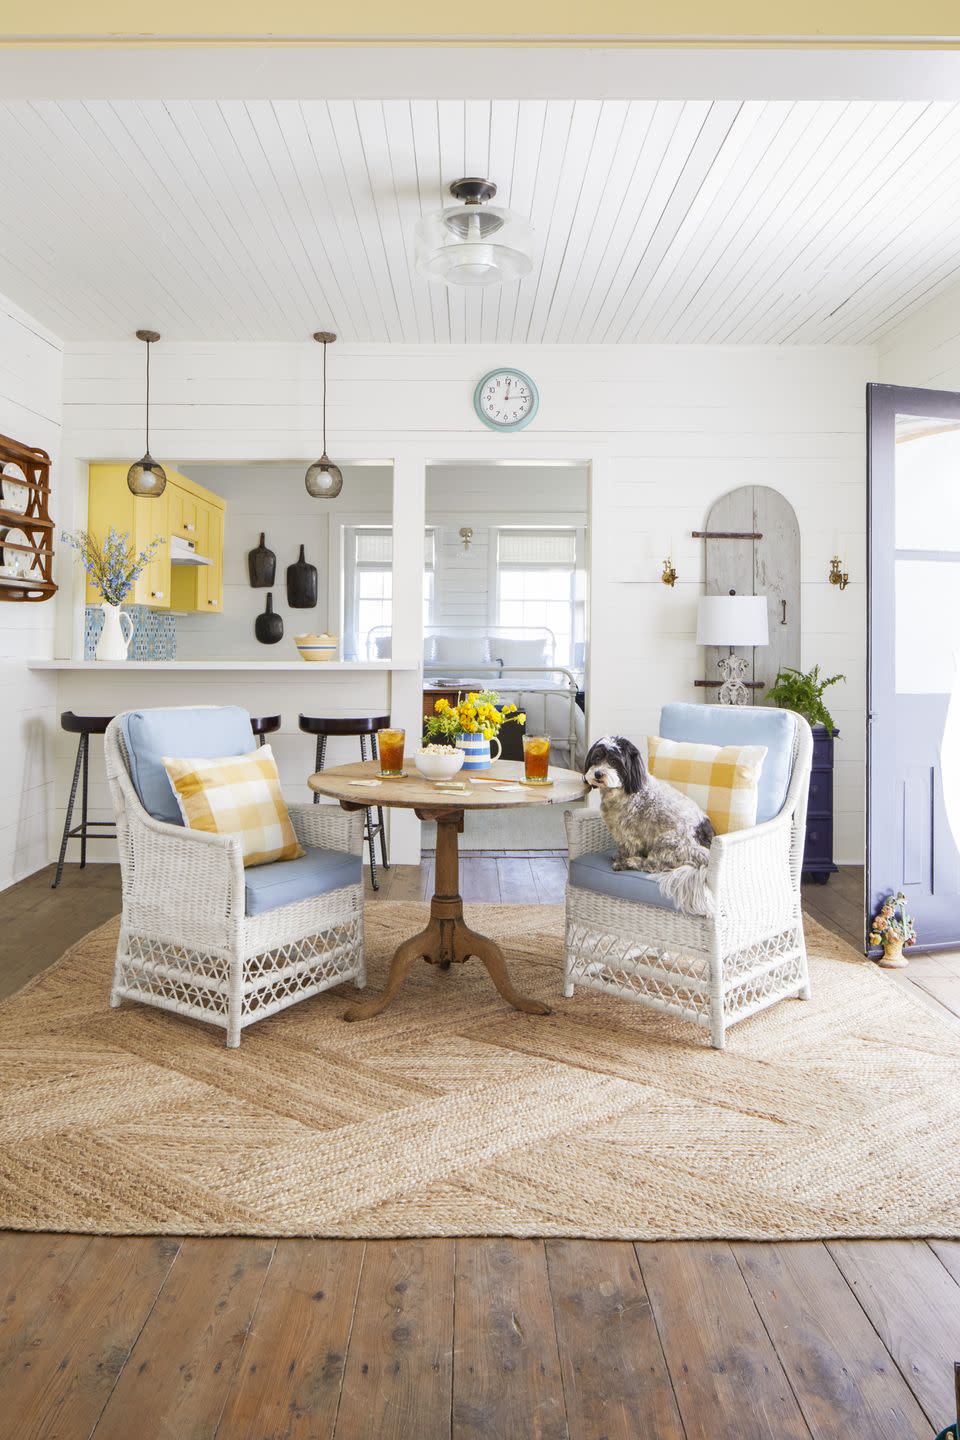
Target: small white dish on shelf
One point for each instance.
(316, 647)
(14, 494)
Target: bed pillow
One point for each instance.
(461, 650)
(724, 780)
(520, 652)
(238, 795)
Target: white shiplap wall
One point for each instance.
(31, 365)
(924, 350)
(667, 428)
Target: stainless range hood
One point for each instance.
(184, 552)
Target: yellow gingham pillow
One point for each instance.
(722, 779)
(239, 795)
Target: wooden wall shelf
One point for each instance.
(25, 465)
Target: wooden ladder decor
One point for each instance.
(23, 466)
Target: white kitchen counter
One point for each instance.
(303, 667)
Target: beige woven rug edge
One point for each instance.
(452, 1114)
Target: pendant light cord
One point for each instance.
(148, 397)
(324, 397)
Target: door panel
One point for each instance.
(913, 610)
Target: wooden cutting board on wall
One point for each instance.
(769, 566)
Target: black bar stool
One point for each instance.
(367, 725)
(264, 725)
(84, 726)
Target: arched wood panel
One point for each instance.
(769, 566)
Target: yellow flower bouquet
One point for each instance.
(479, 713)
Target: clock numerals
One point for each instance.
(506, 400)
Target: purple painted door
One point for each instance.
(913, 730)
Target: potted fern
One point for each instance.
(803, 692)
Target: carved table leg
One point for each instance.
(419, 947)
(446, 938)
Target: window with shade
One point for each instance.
(368, 589)
(540, 585)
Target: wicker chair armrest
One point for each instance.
(327, 827)
(751, 875)
(586, 832)
(185, 878)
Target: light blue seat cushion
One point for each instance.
(595, 872)
(209, 733)
(285, 881)
(741, 725)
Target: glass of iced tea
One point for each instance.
(536, 758)
(390, 744)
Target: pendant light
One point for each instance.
(473, 242)
(146, 477)
(324, 480)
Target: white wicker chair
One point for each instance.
(713, 971)
(186, 943)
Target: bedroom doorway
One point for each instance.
(506, 608)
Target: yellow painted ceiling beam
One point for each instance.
(536, 21)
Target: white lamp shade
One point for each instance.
(473, 245)
(732, 620)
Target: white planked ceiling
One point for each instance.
(655, 221)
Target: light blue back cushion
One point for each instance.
(208, 733)
(741, 725)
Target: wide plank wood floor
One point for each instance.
(252, 1339)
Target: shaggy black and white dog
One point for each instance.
(656, 828)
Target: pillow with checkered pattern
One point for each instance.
(724, 780)
(239, 795)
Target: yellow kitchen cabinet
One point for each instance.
(199, 588)
(184, 505)
(210, 578)
(185, 509)
(111, 505)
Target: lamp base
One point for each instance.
(733, 688)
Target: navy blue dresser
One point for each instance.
(818, 849)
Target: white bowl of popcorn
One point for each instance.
(439, 762)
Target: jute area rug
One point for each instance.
(452, 1114)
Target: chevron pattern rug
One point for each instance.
(451, 1114)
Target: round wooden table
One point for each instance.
(447, 938)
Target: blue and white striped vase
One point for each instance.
(476, 750)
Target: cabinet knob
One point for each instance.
(189, 527)
(211, 602)
(156, 594)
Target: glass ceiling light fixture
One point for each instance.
(146, 477)
(474, 242)
(324, 480)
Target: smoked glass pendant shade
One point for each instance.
(146, 477)
(324, 480)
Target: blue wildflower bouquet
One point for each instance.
(112, 565)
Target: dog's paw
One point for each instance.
(619, 865)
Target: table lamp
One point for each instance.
(730, 620)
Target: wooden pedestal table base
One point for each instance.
(447, 938)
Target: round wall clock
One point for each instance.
(506, 399)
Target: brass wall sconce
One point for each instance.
(838, 576)
(466, 535)
(669, 575)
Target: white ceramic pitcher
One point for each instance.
(114, 641)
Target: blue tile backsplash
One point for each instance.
(154, 634)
